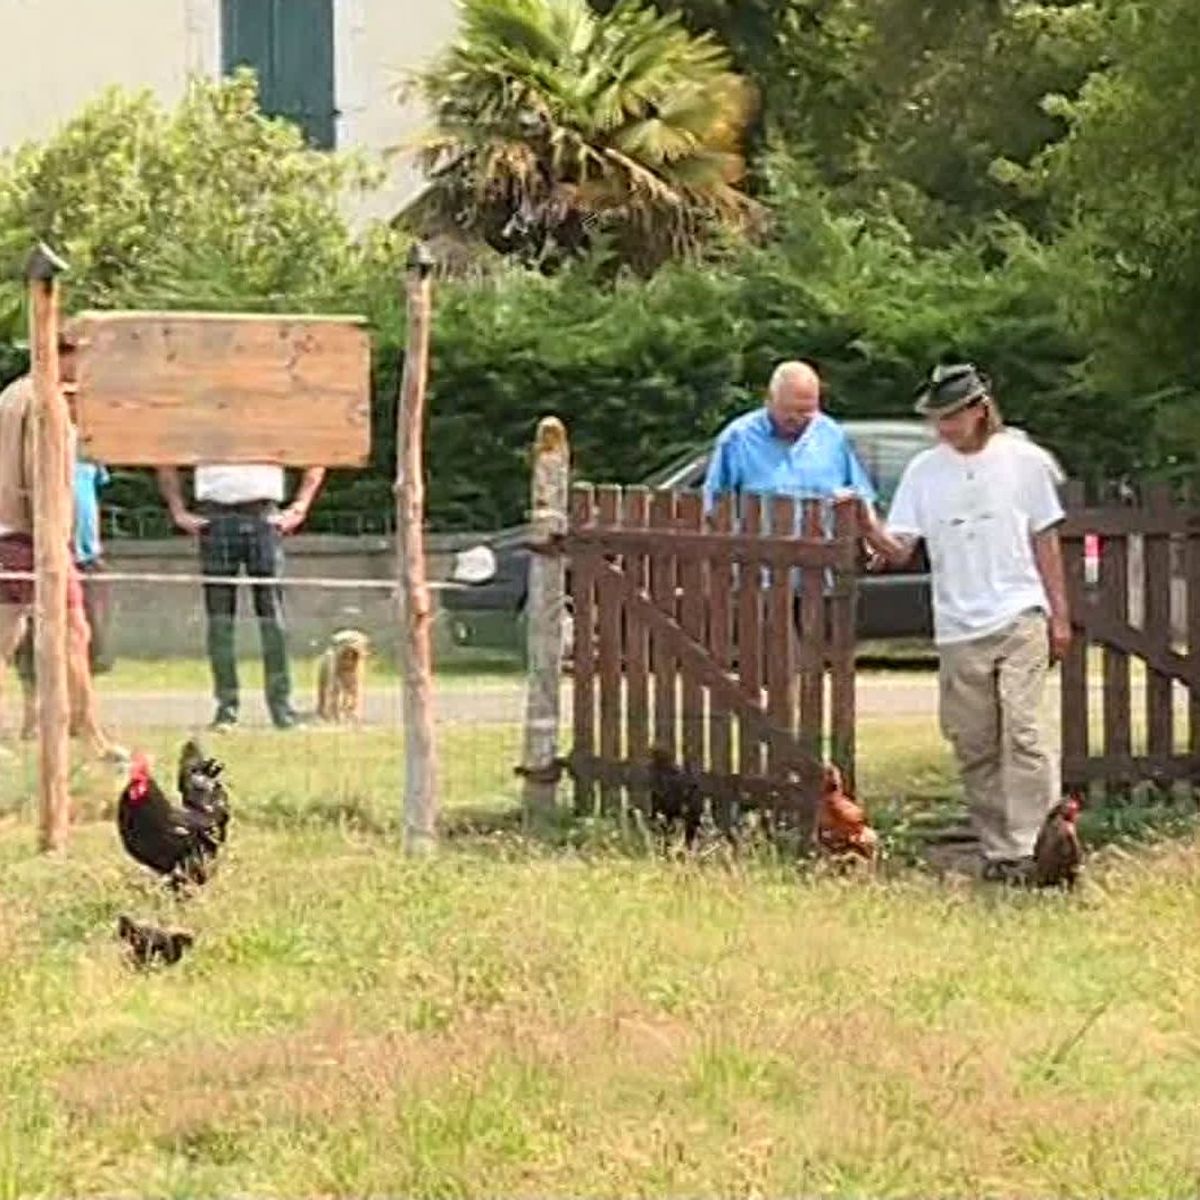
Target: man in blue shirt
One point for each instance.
(787, 448)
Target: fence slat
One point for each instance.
(689, 517)
(1074, 700)
(637, 682)
(812, 644)
(662, 588)
(1160, 722)
(608, 500)
(749, 640)
(1114, 594)
(720, 618)
(583, 580)
(1192, 572)
(841, 652)
(781, 651)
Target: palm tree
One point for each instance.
(553, 124)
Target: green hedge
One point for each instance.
(638, 369)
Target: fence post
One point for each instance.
(546, 611)
(420, 753)
(52, 537)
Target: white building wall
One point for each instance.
(377, 43)
(59, 54)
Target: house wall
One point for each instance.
(63, 52)
(377, 43)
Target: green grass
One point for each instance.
(565, 1016)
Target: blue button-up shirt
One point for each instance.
(750, 458)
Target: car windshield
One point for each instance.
(885, 455)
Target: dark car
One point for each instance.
(891, 606)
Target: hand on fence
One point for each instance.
(189, 522)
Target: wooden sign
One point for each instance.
(180, 389)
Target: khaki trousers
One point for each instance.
(991, 704)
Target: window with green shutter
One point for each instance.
(289, 43)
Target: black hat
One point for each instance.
(950, 388)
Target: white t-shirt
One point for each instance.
(238, 484)
(977, 514)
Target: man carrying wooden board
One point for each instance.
(17, 556)
(240, 525)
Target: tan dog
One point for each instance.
(341, 677)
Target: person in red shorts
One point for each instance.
(17, 559)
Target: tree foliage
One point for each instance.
(909, 106)
(192, 206)
(1127, 185)
(552, 124)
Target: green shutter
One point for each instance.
(289, 43)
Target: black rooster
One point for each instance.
(147, 944)
(1058, 854)
(202, 790)
(180, 844)
(191, 756)
(675, 799)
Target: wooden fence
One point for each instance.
(1138, 629)
(712, 640)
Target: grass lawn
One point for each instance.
(565, 1016)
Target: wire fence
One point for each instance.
(169, 663)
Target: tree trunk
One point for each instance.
(52, 527)
(420, 752)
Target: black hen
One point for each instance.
(675, 798)
(147, 944)
(190, 757)
(202, 790)
(179, 844)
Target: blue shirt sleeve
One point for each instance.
(720, 476)
(856, 477)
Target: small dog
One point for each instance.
(146, 945)
(341, 677)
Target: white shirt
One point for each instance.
(241, 484)
(978, 514)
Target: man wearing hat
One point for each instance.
(984, 501)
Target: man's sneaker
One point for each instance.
(289, 718)
(225, 720)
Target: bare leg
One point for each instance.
(12, 628)
(84, 719)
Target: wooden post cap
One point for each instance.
(44, 265)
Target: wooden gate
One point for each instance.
(1137, 636)
(686, 640)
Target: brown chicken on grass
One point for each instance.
(842, 828)
(1058, 853)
